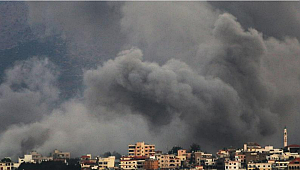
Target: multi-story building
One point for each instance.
(232, 165)
(151, 164)
(38, 158)
(255, 156)
(251, 147)
(223, 154)
(141, 149)
(295, 164)
(204, 159)
(181, 152)
(280, 165)
(7, 164)
(241, 158)
(260, 166)
(290, 156)
(168, 161)
(106, 163)
(132, 163)
(86, 162)
(275, 157)
(57, 154)
(26, 159)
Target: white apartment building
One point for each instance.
(281, 165)
(26, 159)
(260, 166)
(231, 165)
(9, 165)
(132, 163)
(106, 163)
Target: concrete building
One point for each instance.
(255, 156)
(231, 165)
(260, 166)
(241, 158)
(223, 154)
(86, 162)
(295, 164)
(151, 164)
(57, 154)
(39, 158)
(168, 161)
(290, 156)
(181, 152)
(141, 149)
(251, 147)
(204, 159)
(293, 148)
(280, 165)
(132, 163)
(7, 164)
(276, 157)
(106, 163)
(26, 159)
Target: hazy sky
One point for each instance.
(90, 77)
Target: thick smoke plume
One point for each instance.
(165, 73)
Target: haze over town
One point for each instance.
(91, 77)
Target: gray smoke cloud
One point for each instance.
(28, 92)
(195, 74)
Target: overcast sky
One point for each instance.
(91, 77)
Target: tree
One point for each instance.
(6, 159)
(195, 147)
(174, 150)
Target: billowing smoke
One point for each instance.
(162, 72)
(28, 92)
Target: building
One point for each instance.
(251, 147)
(255, 156)
(106, 163)
(132, 163)
(7, 164)
(38, 158)
(204, 159)
(168, 161)
(260, 166)
(230, 165)
(57, 154)
(280, 165)
(285, 142)
(293, 148)
(181, 152)
(26, 159)
(141, 149)
(86, 162)
(223, 154)
(295, 164)
(151, 164)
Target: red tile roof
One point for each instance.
(295, 161)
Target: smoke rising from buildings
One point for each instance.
(169, 73)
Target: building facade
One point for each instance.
(141, 149)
